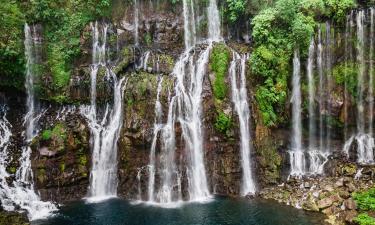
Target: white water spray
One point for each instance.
(105, 132)
(297, 157)
(239, 99)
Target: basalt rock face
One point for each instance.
(61, 158)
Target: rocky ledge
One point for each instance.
(332, 196)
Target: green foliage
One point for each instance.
(63, 24)
(219, 64)
(346, 73)
(365, 200)
(46, 135)
(56, 137)
(364, 219)
(11, 44)
(234, 9)
(223, 123)
(337, 9)
(277, 31)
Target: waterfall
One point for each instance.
(297, 158)
(319, 61)
(22, 194)
(239, 99)
(317, 156)
(371, 72)
(157, 127)
(361, 73)
(136, 22)
(364, 140)
(104, 132)
(185, 109)
(311, 91)
(348, 56)
(213, 15)
(5, 139)
(329, 87)
(189, 24)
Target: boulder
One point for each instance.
(328, 201)
(350, 204)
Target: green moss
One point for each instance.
(83, 160)
(364, 219)
(62, 167)
(223, 123)
(270, 160)
(46, 135)
(11, 170)
(148, 39)
(219, 62)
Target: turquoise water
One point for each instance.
(221, 211)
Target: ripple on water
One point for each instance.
(221, 211)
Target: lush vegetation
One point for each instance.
(365, 202)
(364, 219)
(63, 25)
(219, 64)
(223, 123)
(57, 136)
(11, 44)
(346, 73)
(277, 31)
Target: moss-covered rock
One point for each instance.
(13, 218)
(60, 159)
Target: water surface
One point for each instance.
(221, 211)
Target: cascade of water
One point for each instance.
(239, 99)
(157, 127)
(361, 73)
(105, 132)
(184, 108)
(317, 158)
(311, 91)
(213, 14)
(371, 73)
(139, 176)
(136, 22)
(365, 143)
(22, 193)
(189, 24)
(347, 58)
(329, 81)
(319, 62)
(5, 136)
(189, 107)
(297, 158)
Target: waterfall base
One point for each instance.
(364, 145)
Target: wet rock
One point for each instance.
(328, 201)
(349, 216)
(13, 218)
(350, 204)
(44, 151)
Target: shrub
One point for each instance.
(223, 123)
(364, 219)
(365, 200)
